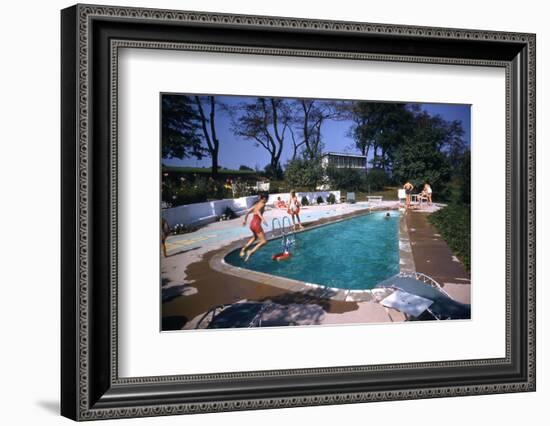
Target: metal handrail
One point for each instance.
(276, 221)
(426, 279)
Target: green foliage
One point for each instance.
(464, 176)
(273, 172)
(186, 191)
(207, 171)
(180, 128)
(320, 200)
(453, 223)
(303, 174)
(242, 167)
(304, 201)
(376, 180)
(228, 213)
(380, 125)
(346, 179)
(331, 199)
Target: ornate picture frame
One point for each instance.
(90, 38)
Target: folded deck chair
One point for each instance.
(401, 195)
(407, 303)
(443, 306)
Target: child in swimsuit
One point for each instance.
(257, 211)
(294, 210)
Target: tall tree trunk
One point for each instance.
(212, 141)
(214, 171)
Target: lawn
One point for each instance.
(453, 223)
(388, 194)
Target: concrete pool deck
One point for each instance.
(433, 257)
(191, 286)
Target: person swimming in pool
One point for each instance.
(257, 211)
(294, 210)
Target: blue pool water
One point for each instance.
(355, 253)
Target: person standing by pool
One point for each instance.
(257, 211)
(164, 233)
(408, 187)
(427, 192)
(294, 210)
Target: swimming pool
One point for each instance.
(355, 253)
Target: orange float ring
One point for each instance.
(281, 256)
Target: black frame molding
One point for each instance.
(90, 38)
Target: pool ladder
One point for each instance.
(287, 232)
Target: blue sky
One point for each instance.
(235, 151)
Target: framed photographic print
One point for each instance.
(263, 212)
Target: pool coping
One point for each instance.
(406, 264)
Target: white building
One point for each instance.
(341, 160)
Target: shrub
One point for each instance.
(190, 191)
(181, 228)
(320, 200)
(331, 199)
(304, 201)
(453, 223)
(228, 213)
(306, 174)
(344, 179)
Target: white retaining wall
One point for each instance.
(201, 213)
(311, 196)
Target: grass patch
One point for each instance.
(453, 223)
(388, 194)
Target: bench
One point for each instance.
(374, 198)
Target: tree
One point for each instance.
(347, 179)
(245, 168)
(273, 172)
(265, 121)
(302, 173)
(296, 143)
(314, 114)
(464, 175)
(420, 157)
(380, 126)
(181, 128)
(208, 126)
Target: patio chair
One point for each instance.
(350, 198)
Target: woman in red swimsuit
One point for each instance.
(257, 211)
